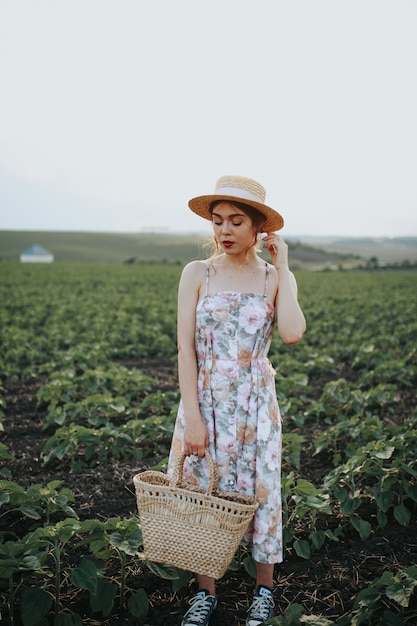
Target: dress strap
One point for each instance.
(266, 279)
(207, 276)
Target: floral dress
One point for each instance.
(237, 397)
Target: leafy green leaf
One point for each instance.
(131, 545)
(305, 488)
(350, 505)
(384, 500)
(138, 603)
(317, 538)
(292, 615)
(411, 491)
(29, 511)
(302, 548)
(184, 577)
(389, 618)
(35, 605)
(402, 515)
(362, 526)
(400, 595)
(382, 519)
(103, 599)
(315, 620)
(385, 453)
(163, 571)
(84, 576)
(250, 566)
(368, 597)
(401, 591)
(4, 498)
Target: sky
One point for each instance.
(114, 113)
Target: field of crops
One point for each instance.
(88, 396)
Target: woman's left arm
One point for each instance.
(291, 320)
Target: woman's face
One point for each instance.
(233, 228)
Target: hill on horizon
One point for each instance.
(100, 247)
(386, 249)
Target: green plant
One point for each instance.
(380, 472)
(93, 395)
(302, 503)
(83, 446)
(54, 540)
(291, 448)
(20, 557)
(120, 538)
(386, 600)
(38, 502)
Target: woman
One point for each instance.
(227, 308)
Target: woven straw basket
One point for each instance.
(188, 527)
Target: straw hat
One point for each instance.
(239, 189)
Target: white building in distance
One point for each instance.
(36, 254)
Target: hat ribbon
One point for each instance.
(237, 192)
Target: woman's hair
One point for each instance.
(257, 221)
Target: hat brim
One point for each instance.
(273, 220)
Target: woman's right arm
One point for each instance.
(195, 432)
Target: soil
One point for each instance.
(326, 584)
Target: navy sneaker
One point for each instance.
(262, 608)
(201, 608)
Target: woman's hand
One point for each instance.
(195, 437)
(278, 250)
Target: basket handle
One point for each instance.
(179, 468)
